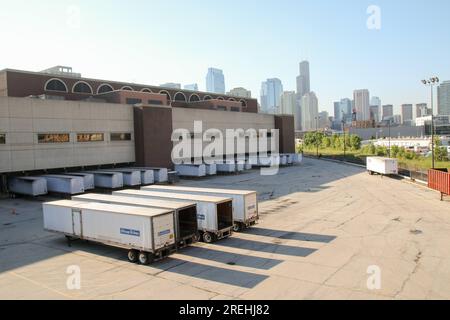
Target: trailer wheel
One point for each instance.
(133, 256)
(208, 237)
(144, 258)
(196, 237)
(237, 227)
(371, 173)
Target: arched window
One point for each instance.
(220, 98)
(179, 96)
(169, 98)
(244, 103)
(104, 88)
(146, 90)
(82, 87)
(56, 85)
(194, 98)
(206, 98)
(232, 99)
(127, 88)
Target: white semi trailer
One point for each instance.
(28, 186)
(214, 214)
(64, 184)
(147, 234)
(383, 166)
(245, 202)
(186, 228)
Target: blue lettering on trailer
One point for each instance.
(130, 232)
(251, 207)
(201, 217)
(163, 233)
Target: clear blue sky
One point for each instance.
(176, 41)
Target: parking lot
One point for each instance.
(323, 226)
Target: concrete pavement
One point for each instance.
(324, 225)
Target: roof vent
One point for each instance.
(62, 71)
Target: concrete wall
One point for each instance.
(221, 120)
(23, 118)
(367, 134)
(3, 85)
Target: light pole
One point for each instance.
(343, 131)
(317, 136)
(389, 126)
(432, 82)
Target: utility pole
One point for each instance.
(432, 82)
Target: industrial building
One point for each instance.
(58, 120)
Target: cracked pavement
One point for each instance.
(322, 226)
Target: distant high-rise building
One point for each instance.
(362, 104)
(303, 87)
(397, 119)
(171, 85)
(343, 108)
(240, 92)
(375, 113)
(407, 114)
(303, 80)
(324, 120)
(375, 101)
(271, 91)
(215, 81)
(288, 102)
(310, 112)
(388, 111)
(444, 98)
(193, 87)
(422, 110)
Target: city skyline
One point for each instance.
(316, 27)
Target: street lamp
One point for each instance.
(432, 82)
(317, 136)
(389, 126)
(343, 130)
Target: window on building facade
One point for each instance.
(221, 108)
(235, 109)
(158, 102)
(2, 138)
(56, 85)
(90, 137)
(104, 88)
(53, 138)
(82, 87)
(133, 101)
(116, 136)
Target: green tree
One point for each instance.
(441, 154)
(394, 151)
(355, 142)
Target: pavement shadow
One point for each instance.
(211, 273)
(287, 235)
(231, 258)
(266, 247)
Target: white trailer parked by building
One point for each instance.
(64, 184)
(191, 170)
(383, 166)
(214, 214)
(245, 202)
(148, 234)
(28, 186)
(226, 167)
(161, 174)
(131, 177)
(211, 169)
(107, 180)
(147, 176)
(186, 228)
(88, 179)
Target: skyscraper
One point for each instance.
(422, 110)
(288, 102)
(375, 113)
(303, 80)
(215, 81)
(388, 111)
(310, 112)
(362, 104)
(240, 92)
(342, 108)
(193, 87)
(271, 91)
(375, 101)
(407, 114)
(444, 98)
(303, 87)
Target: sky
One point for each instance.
(154, 42)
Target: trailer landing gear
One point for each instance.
(237, 227)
